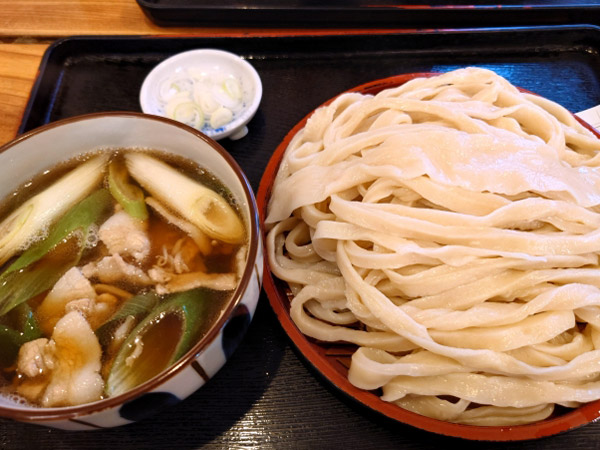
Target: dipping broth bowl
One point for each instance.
(45, 147)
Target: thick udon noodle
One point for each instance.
(449, 227)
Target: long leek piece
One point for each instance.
(196, 203)
(40, 211)
(185, 311)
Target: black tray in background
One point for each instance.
(365, 13)
(265, 397)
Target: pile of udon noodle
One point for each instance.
(450, 228)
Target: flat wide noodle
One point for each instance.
(449, 227)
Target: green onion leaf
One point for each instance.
(129, 196)
(42, 265)
(40, 211)
(138, 306)
(166, 334)
(11, 340)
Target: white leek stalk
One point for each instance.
(27, 222)
(221, 117)
(198, 204)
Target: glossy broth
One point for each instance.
(160, 340)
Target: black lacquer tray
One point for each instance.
(364, 13)
(266, 396)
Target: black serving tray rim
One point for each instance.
(157, 5)
(61, 49)
(56, 45)
(364, 15)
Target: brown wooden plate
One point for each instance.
(332, 360)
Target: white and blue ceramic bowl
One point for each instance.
(43, 148)
(210, 60)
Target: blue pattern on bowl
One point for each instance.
(146, 405)
(235, 329)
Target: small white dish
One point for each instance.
(160, 86)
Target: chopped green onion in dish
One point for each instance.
(205, 100)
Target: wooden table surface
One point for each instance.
(27, 27)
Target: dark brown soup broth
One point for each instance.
(158, 347)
